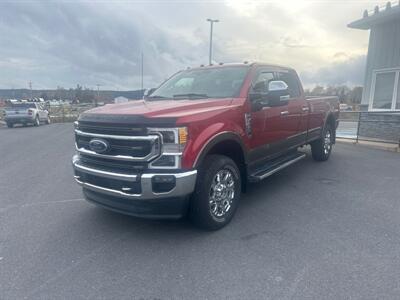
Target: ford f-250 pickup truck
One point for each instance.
(192, 146)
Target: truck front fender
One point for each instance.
(219, 138)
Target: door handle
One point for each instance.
(284, 113)
(305, 108)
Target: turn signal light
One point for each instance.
(182, 133)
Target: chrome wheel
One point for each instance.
(327, 142)
(222, 192)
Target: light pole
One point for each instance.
(211, 36)
(141, 72)
(98, 94)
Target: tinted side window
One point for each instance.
(260, 84)
(291, 81)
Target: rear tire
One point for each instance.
(10, 125)
(37, 121)
(321, 149)
(217, 194)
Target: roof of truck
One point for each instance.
(250, 64)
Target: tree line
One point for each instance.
(78, 94)
(351, 96)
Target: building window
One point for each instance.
(386, 90)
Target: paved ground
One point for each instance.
(315, 230)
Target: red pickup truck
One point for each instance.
(192, 146)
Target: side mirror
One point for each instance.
(278, 93)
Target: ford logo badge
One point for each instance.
(99, 146)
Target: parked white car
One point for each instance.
(26, 113)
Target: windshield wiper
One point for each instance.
(191, 96)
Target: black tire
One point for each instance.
(10, 125)
(202, 212)
(321, 149)
(37, 121)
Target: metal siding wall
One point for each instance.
(383, 52)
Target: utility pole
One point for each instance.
(211, 38)
(141, 72)
(98, 95)
(30, 87)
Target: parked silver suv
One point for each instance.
(26, 113)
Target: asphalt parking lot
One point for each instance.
(315, 230)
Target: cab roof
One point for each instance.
(249, 64)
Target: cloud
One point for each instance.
(349, 72)
(66, 43)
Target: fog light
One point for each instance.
(163, 183)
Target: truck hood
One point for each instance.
(163, 108)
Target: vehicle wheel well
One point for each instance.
(234, 151)
(332, 122)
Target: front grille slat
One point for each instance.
(111, 129)
(119, 147)
(111, 165)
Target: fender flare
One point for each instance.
(218, 138)
(328, 116)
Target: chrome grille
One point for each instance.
(121, 146)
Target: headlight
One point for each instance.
(174, 141)
(172, 135)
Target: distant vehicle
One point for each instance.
(197, 140)
(26, 113)
(345, 107)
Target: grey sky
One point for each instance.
(65, 43)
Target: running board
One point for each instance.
(275, 166)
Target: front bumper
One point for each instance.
(146, 203)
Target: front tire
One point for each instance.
(48, 120)
(217, 194)
(321, 149)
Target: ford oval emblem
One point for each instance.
(99, 146)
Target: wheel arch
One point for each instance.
(228, 144)
(330, 119)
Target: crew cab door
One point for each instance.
(271, 126)
(296, 115)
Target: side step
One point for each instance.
(275, 165)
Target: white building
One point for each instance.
(382, 74)
(120, 99)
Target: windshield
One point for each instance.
(222, 82)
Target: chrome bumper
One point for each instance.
(184, 182)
